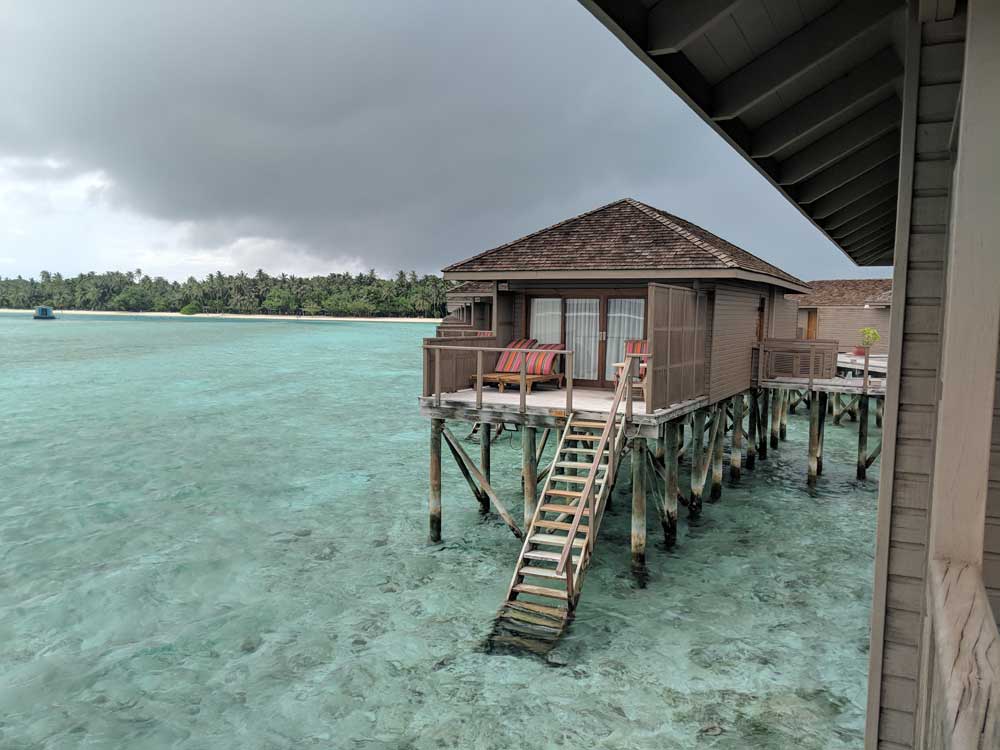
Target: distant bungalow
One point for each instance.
(838, 308)
(44, 313)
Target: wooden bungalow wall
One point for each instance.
(784, 319)
(841, 323)
(991, 540)
(734, 332)
(899, 608)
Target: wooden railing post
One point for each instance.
(479, 379)
(523, 385)
(437, 377)
(569, 383)
(812, 363)
(864, 386)
(628, 388)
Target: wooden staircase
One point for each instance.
(560, 540)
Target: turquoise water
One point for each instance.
(214, 536)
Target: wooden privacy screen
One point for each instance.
(457, 367)
(676, 330)
(790, 358)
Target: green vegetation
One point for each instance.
(869, 336)
(363, 295)
(191, 308)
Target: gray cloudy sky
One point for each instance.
(185, 137)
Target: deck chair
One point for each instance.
(637, 346)
(540, 367)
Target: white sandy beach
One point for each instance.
(234, 316)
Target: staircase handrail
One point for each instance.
(587, 495)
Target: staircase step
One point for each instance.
(544, 554)
(558, 525)
(564, 493)
(591, 451)
(588, 423)
(578, 465)
(527, 588)
(542, 609)
(518, 616)
(583, 436)
(556, 508)
(534, 570)
(555, 540)
(569, 478)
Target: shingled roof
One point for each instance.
(471, 289)
(626, 235)
(846, 293)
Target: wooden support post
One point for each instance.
(879, 411)
(670, 486)
(529, 470)
(838, 409)
(863, 438)
(639, 473)
(752, 431)
(829, 406)
(795, 398)
(823, 399)
(697, 462)
(765, 403)
(852, 408)
(776, 397)
(437, 425)
(736, 445)
(813, 439)
(485, 444)
(717, 450)
(786, 397)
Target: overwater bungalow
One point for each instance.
(618, 329)
(879, 122)
(44, 313)
(839, 308)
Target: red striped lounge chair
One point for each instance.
(539, 366)
(637, 346)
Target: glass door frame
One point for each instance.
(602, 295)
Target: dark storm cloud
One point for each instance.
(407, 133)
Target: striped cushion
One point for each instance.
(543, 363)
(511, 361)
(484, 333)
(637, 346)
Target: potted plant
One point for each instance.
(869, 337)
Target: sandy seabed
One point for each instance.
(231, 316)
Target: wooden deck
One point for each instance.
(878, 364)
(876, 386)
(547, 408)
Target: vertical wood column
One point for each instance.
(823, 399)
(879, 411)
(670, 486)
(862, 437)
(813, 439)
(776, 397)
(752, 431)
(765, 410)
(697, 463)
(717, 450)
(838, 409)
(529, 472)
(736, 444)
(437, 425)
(485, 444)
(786, 397)
(638, 503)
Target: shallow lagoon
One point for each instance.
(214, 537)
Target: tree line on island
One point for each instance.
(343, 294)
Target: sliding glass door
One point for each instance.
(626, 321)
(583, 337)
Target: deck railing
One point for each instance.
(965, 671)
(798, 358)
(461, 363)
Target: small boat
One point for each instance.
(44, 313)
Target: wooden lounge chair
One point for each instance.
(540, 367)
(637, 346)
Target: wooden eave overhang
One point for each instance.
(651, 274)
(807, 92)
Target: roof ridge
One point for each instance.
(661, 216)
(505, 245)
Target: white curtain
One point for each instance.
(582, 336)
(545, 324)
(625, 318)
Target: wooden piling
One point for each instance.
(786, 397)
(823, 399)
(437, 425)
(529, 472)
(752, 431)
(879, 411)
(717, 450)
(838, 409)
(485, 444)
(697, 463)
(863, 438)
(736, 444)
(639, 460)
(670, 486)
(776, 397)
(765, 405)
(813, 439)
